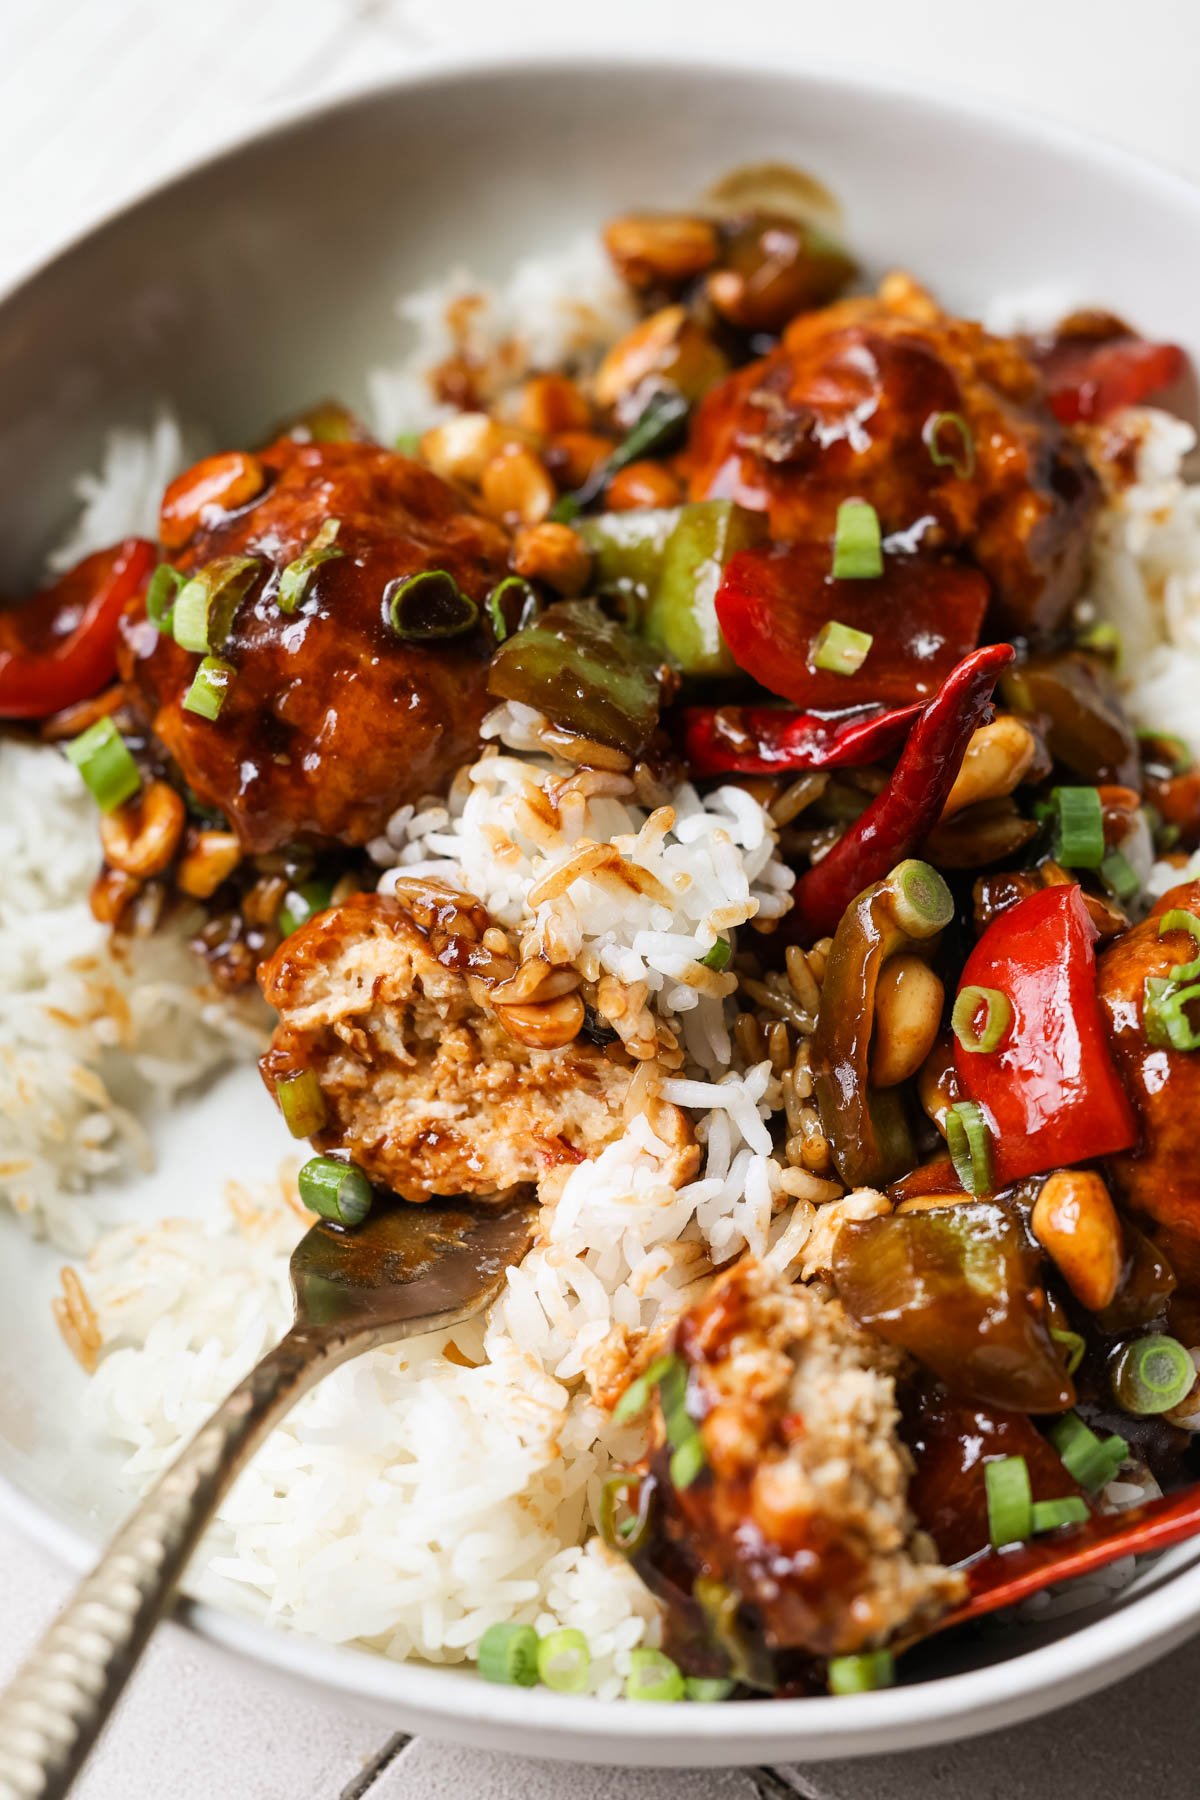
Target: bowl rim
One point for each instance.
(977, 1700)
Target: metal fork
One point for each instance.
(407, 1270)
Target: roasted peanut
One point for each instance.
(908, 1016)
(1076, 1223)
(660, 249)
(668, 347)
(642, 484)
(551, 403)
(516, 487)
(998, 757)
(141, 837)
(549, 1025)
(113, 892)
(224, 481)
(461, 448)
(208, 861)
(554, 554)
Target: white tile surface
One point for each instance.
(99, 96)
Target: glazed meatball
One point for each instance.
(331, 720)
(856, 402)
(1158, 1178)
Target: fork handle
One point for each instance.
(58, 1702)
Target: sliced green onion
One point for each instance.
(1080, 819)
(508, 1654)
(1164, 1015)
(718, 957)
(566, 509)
(969, 1141)
(564, 1661)
(626, 1535)
(1178, 919)
(1102, 639)
(1153, 1375)
(1009, 1500)
(210, 686)
(636, 1397)
(939, 434)
(428, 606)
(653, 1676)
(513, 587)
(165, 584)
(337, 1190)
(857, 547)
(301, 1102)
(840, 649)
(688, 1459)
(296, 577)
(861, 1674)
(302, 903)
(408, 443)
(1178, 753)
(922, 903)
(1120, 876)
(1090, 1460)
(997, 1017)
(1048, 1515)
(102, 757)
(1072, 1343)
(701, 1687)
(658, 425)
(205, 608)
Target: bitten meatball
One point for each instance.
(331, 720)
(800, 1509)
(388, 999)
(1159, 1177)
(856, 402)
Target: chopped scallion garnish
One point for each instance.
(302, 903)
(1090, 1460)
(1048, 1515)
(718, 956)
(1102, 639)
(301, 1102)
(1179, 919)
(207, 602)
(513, 592)
(1152, 1375)
(1164, 1014)
(1171, 749)
(1072, 1343)
(337, 1190)
(626, 1534)
(408, 443)
(969, 1141)
(508, 1653)
(566, 509)
(688, 1459)
(951, 443)
(1119, 875)
(1009, 1500)
(861, 1674)
(980, 1018)
(857, 545)
(429, 605)
(1079, 817)
(701, 1687)
(658, 425)
(165, 584)
(840, 649)
(653, 1676)
(564, 1661)
(921, 901)
(294, 580)
(209, 688)
(636, 1397)
(102, 757)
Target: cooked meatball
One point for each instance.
(1158, 1178)
(846, 407)
(386, 998)
(331, 721)
(801, 1509)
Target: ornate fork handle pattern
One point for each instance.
(58, 1704)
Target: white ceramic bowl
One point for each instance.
(268, 276)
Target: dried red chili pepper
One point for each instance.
(772, 740)
(897, 820)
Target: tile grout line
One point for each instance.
(383, 1759)
(770, 1784)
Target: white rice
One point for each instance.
(411, 1500)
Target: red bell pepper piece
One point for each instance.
(1088, 379)
(61, 646)
(923, 617)
(771, 740)
(1050, 1091)
(910, 805)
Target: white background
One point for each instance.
(98, 98)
